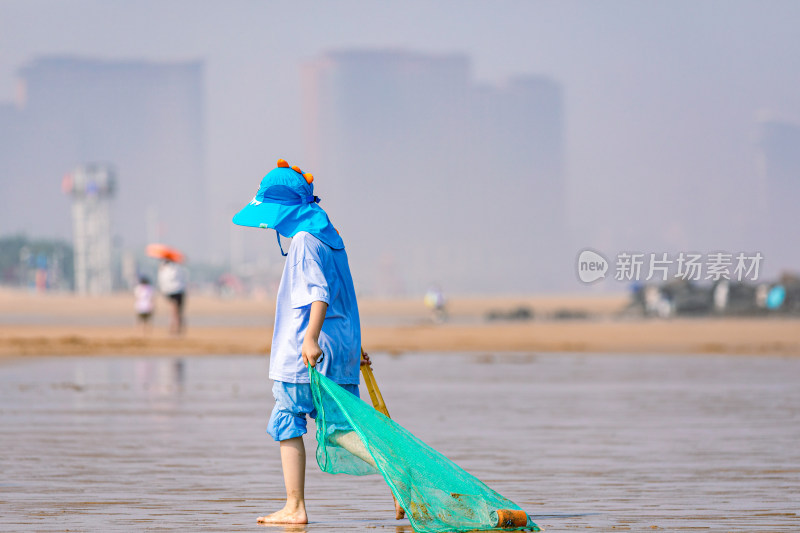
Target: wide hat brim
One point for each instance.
(288, 220)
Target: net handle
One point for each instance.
(372, 388)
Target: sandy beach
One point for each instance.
(63, 324)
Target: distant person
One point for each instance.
(434, 300)
(144, 296)
(721, 295)
(172, 284)
(316, 322)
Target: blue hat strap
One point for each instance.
(292, 201)
(278, 235)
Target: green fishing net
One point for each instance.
(437, 495)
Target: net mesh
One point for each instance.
(437, 495)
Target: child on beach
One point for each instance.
(316, 321)
(144, 296)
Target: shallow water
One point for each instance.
(588, 442)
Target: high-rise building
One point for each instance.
(775, 200)
(432, 178)
(145, 118)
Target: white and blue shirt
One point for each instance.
(316, 272)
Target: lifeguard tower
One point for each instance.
(91, 187)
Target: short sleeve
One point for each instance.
(308, 283)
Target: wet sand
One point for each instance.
(583, 442)
(34, 324)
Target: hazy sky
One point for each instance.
(660, 96)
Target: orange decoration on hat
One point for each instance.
(309, 177)
(282, 163)
(297, 169)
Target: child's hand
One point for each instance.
(365, 360)
(311, 351)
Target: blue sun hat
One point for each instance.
(285, 202)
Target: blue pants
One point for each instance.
(293, 401)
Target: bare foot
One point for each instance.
(285, 516)
(399, 512)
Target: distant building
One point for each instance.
(11, 164)
(145, 118)
(431, 177)
(778, 165)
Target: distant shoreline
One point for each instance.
(42, 325)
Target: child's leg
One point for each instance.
(293, 460)
(350, 441)
(287, 425)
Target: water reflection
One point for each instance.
(160, 375)
(287, 528)
(580, 441)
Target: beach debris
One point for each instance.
(518, 313)
(723, 297)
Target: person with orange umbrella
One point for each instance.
(172, 280)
